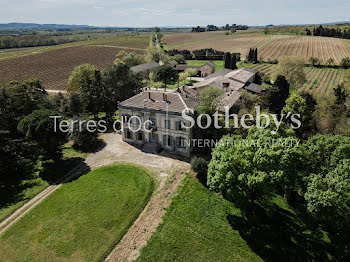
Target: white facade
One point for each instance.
(166, 130)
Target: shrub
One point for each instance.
(345, 62)
(180, 59)
(266, 79)
(200, 166)
(83, 139)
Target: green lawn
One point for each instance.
(48, 171)
(201, 226)
(219, 64)
(29, 188)
(243, 64)
(82, 220)
(195, 228)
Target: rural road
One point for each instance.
(167, 171)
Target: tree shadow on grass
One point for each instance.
(14, 194)
(98, 145)
(279, 235)
(49, 170)
(53, 171)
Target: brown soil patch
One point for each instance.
(54, 67)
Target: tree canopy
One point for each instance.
(40, 128)
(293, 69)
(81, 74)
(165, 74)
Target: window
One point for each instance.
(167, 140)
(154, 138)
(179, 126)
(181, 142)
(125, 118)
(226, 85)
(154, 123)
(167, 124)
(139, 136)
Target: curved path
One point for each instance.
(167, 171)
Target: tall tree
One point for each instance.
(227, 58)
(91, 93)
(81, 74)
(275, 97)
(19, 99)
(255, 59)
(119, 84)
(293, 69)
(165, 74)
(233, 62)
(191, 72)
(40, 128)
(248, 173)
(17, 159)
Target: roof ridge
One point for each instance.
(186, 107)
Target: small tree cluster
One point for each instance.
(252, 56)
(230, 61)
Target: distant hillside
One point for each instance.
(33, 26)
(337, 23)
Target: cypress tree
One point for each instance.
(227, 60)
(233, 62)
(249, 57)
(255, 55)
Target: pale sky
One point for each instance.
(149, 13)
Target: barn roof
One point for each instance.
(221, 72)
(219, 82)
(242, 75)
(144, 67)
(254, 88)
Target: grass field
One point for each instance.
(54, 64)
(318, 80)
(201, 226)
(218, 64)
(269, 46)
(32, 186)
(82, 220)
(195, 228)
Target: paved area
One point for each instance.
(196, 78)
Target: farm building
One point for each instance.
(144, 69)
(232, 82)
(221, 72)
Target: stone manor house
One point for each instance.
(155, 117)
